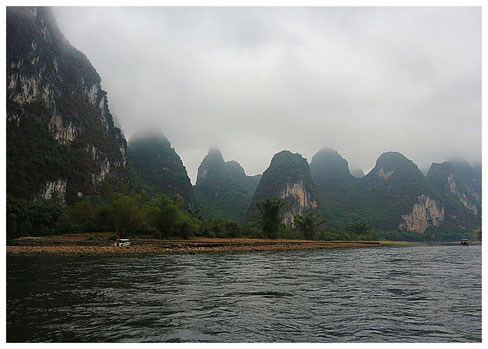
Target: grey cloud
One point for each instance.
(255, 81)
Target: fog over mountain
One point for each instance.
(257, 80)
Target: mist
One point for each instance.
(257, 80)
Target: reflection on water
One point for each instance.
(388, 294)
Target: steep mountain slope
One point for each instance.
(477, 172)
(470, 177)
(396, 196)
(333, 184)
(61, 138)
(223, 190)
(330, 169)
(156, 167)
(288, 177)
(463, 205)
(393, 196)
(400, 195)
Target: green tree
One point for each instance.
(308, 225)
(188, 226)
(26, 228)
(104, 219)
(127, 215)
(32, 218)
(358, 228)
(233, 229)
(362, 231)
(477, 234)
(218, 228)
(270, 214)
(80, 217)
(12, 225)
(164, 215)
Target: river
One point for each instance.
(426, 293)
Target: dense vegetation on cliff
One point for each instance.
(462, 204)
(156, 167)
(393, 197)
(390, 190)
(34, 157)
(335, 188)
(223, 190)
(287, 178)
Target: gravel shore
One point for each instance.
(98, 244)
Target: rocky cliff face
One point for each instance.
(212, 167)
(56, 103)
(463, 204)
(407, 199)
(443, 177)
(289, 178)
(425, 212)
(301, 200)
(156, 167)
(469, 176)
(396, 174)
(464, 198)
(223, 190)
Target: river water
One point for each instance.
(382, 294)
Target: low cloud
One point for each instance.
(255, 81)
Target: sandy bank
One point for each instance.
(98, 244)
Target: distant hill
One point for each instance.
(288, 177)
(395, 195)
(156, 167)
(330, 169)
(357, 172)
(333, 184)
(223, 190)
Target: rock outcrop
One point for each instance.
(53, 191)
(425, 212)
(301, 198)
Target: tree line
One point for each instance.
(133, 213)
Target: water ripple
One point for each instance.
(393, 294)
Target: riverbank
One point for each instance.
(98, 244)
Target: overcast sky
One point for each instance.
(257, 80)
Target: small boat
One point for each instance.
(465, 242)
(122, 242)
